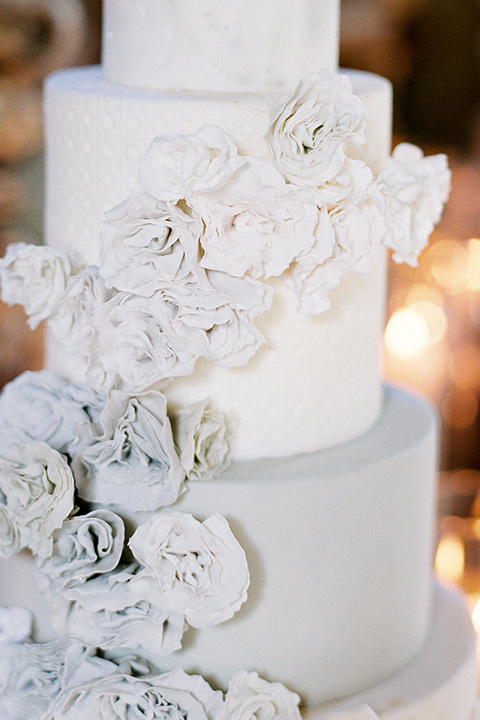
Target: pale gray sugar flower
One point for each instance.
(42, 406)
(35, 277)
(146, 242)
(9, 534)
(415, 189)
(197, 569)
(257, 223)
(310, 133)
(119, 696)
(130, 460)
(84, 546)
(71, 320)
(30, 678)
(175, 166)
(250, 697)
(202, 439)
(104, 612)
(38, 487)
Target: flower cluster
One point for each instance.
(68, 681)
(183, 261)
(73, 466)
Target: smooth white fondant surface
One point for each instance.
(316, 381)
(440, 682)
(339, 547)
(240, 45)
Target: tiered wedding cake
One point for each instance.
(208, 496)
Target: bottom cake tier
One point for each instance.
(339, 545)
(439, 684)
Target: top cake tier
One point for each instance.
(218, 46)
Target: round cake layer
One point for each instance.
(316, 381)
(240, 45)
(339, 547)
(96, 133)
(440, 682)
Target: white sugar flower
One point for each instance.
(354, 232)
(35, 277)
(415, 189)
(198, 569)
(201, 437)
(146, 242)
(9, 534)
(169, 696)
(38, 487)
(71, 320)
(85, 545)
(42, 406)
(141, 341)
(104, 612)
(133, 344)
(257, 223)
(310, 133)
(130, 460)
(250, 697)
(175, 166)
(31, 677)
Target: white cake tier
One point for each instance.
(239, 45)
(339, 546)
(316, 381)
(441, 681)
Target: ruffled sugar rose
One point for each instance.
(415, 189)
(35, 277)
(198, 569)
(38, 487)
(310, 133)
(140, 341)
(134, 345)
(146, 242)
(84, 546)
(104, 612)
(202, 439)
(130, 460)
(30, 678)
(118, 696)
(175, 166)
(250, 697)
(42, 406)
(355, 231)
(257, 223)
(9, 534)
(71, 319)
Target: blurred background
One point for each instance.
(430, 50)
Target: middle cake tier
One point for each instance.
(315, 381)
